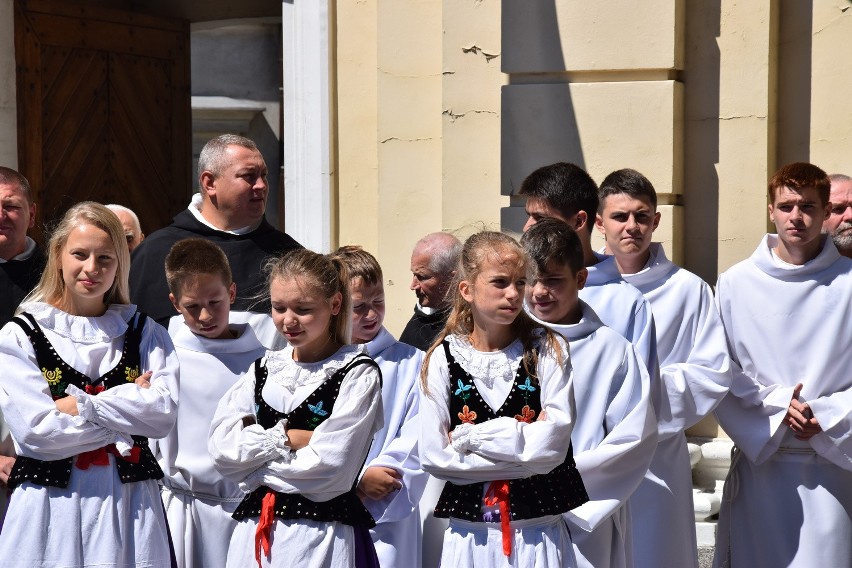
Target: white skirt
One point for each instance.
(95, 521)
(299, 542)
(543, 542)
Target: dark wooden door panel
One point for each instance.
(103, 107)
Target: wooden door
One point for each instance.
(103, 107)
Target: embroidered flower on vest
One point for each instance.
(467, 416)
(462, 391)
(53, 377)
(527, 415)
(131, 374)
(528, 390)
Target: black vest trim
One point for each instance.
(313, 411)
(59, 374)
(551, 493)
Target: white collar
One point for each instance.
(487, 365)
(28, 252)
(82, 329)
(194, 207)
(290, 374)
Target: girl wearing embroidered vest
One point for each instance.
(80, 408)
(496, 414)
(295, 429)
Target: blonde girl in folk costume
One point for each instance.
(85, 490)
(295, 429)
(496, 415)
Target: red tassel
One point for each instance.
(264, 527)
(498, 494)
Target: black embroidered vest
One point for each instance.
(313, 411)
(551, 493)
(59, 374)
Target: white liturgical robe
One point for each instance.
(613, 439)
(397, 531)
(695, 375)
(787, 501)
(198, 500)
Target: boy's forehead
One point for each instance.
(785, 194)
(555, 268)
(624, 200)
(202, 282)
(543, 208)
(360, 286)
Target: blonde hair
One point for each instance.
(477, 250)
(327, 275)
(51, 287)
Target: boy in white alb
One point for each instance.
(694, 366)
(213, 353)
(391, 482)
(615, 433)
(565, 192)
(786, 312)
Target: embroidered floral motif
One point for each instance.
(131, 374)
(52, 377)
(528, 389)
(467, 416)
(527, 415)
(318, 409)
(318, 412)
(462, 391)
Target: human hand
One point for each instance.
(800, 418)
(67, 405)
(378, 482)
(298, 439)
(143, 381)
(542, 415)
(6, 464)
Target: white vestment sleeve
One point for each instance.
(613, 470)
(401, 454)
(697, 373)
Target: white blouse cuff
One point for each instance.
(275, 441)
(463, 438)
(85, 404)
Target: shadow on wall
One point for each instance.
(539, 125)
(701, 137)
(794, 75)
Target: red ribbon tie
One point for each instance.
(264, 527)
(498, 494)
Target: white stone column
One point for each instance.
(308, 156)
(8, 81)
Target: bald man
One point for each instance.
(433, 266)
(130, 222)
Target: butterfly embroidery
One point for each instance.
(462, 390)
(317, 409)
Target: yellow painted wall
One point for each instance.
(444, 107)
